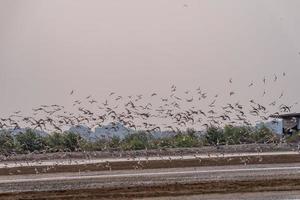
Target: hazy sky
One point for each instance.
(49, 47)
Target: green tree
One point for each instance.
(7, 143)
(55, 142)
(30, 141)
(72, 141)
(136, 141)
(214, 136)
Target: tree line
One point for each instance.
(30, 141)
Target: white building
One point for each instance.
(287, 123)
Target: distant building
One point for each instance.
(288, 123)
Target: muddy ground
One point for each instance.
(227, 186)
(153, 164)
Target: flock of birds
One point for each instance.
(152, 112)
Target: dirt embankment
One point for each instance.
(153, 164)
(226, 186)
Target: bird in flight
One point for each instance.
(275, 78)
(281, 95)
(264, 93)
(173, 88)
(92, 101)
(272, 103)
(71, 92)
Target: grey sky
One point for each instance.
(48, 48)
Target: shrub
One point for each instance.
(167, 142)
(97, 145)
(72, 141)
(7, 143)
(264, 135)
(114, 142)
(294, 138)
(136, 141)
(237, 135)
(186, 140)
(214, 136)
(30, 141)
(55, 142)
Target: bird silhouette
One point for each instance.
(174, 111)
(275, 78)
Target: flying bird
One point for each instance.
(275, 78)
(173, 88)
(281, 95)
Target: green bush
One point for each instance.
(167, 142)
(72, 141)
(214, 136)
(294, 138)
(97, 145)
(264, 135)
(7, 143)
(67, 141)
(55, 142)
(186, 140)
(30, 141)
(136, 141)
(237, 135)
(114, 142)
